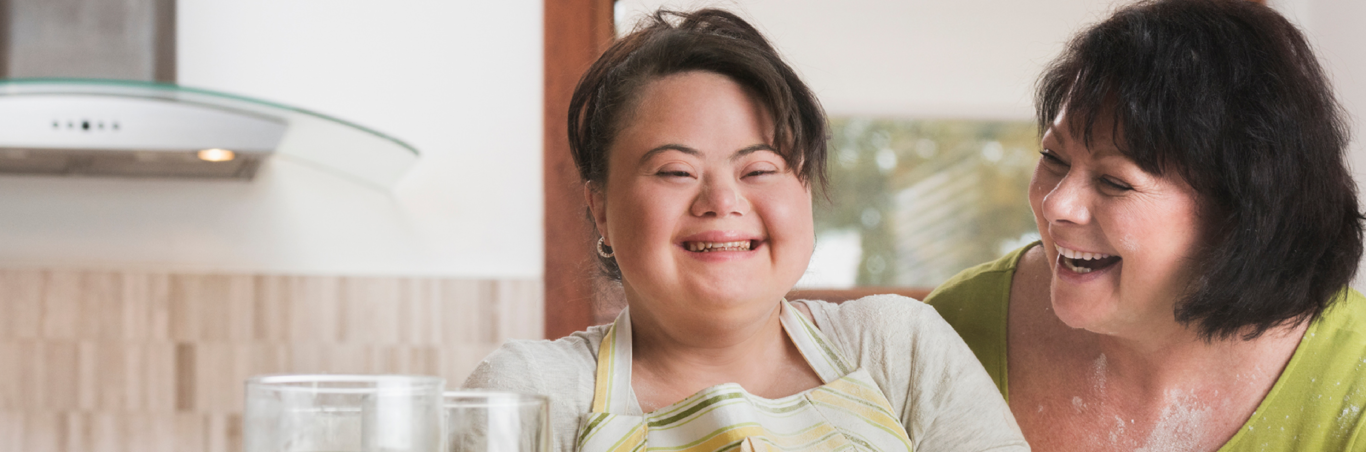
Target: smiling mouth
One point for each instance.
(1083, 263)
(707, 247)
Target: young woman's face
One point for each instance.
(702, 214)
(1119, 240)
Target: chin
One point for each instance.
(735, 296)
(1079, 311)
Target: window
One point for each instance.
(913, 202)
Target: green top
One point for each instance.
(1316, 404)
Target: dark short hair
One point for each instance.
(709, 40)
(1227, 95)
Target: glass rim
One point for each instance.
(328, 382)
(483, 398)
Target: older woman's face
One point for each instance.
(700, 211)
(1118, 239)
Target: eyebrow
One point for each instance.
(690, 151)
(1098, 151)
(1056, 134)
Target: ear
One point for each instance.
(596, 199)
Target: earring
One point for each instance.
(602, 249)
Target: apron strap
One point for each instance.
(612, 387)
(820, 354)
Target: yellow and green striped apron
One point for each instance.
(847, 412)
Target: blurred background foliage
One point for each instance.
(923, 199)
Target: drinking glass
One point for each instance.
(343, 413)
(487, 421)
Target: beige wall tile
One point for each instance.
(11, 430)
(146, 306)
(61, 305)
(369, 310)
(11, 379)
(101, 304)
(44, 432)
(21, 304)
(270, 308)
(316, 305)
(145, 361)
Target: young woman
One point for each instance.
(699, 148)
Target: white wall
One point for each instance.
(1335, 29)
(914, 58)
(461, 81)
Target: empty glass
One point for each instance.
(487, 421)
(343, 413)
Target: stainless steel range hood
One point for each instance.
(88, 90)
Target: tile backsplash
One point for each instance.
(138, 361)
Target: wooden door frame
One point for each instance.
(576, 32)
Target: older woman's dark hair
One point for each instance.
(1227, 95)
(708, 40)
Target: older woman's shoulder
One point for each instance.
(1321, 393)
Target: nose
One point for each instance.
(1069, 201)
(719, 197)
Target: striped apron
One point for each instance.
(847, 412)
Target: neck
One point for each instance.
(672, 360)
(1177, 360)
(1161, 384)
(675, 347)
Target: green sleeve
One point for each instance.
(975, 303)
(1319, 399)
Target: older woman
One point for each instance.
(699, 147)
(1199, 227)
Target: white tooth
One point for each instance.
(1087, 256)
(1074, 268)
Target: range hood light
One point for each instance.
(216, 155)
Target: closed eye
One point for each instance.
(1051, 158)
(674, 174)
(1115, 184)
